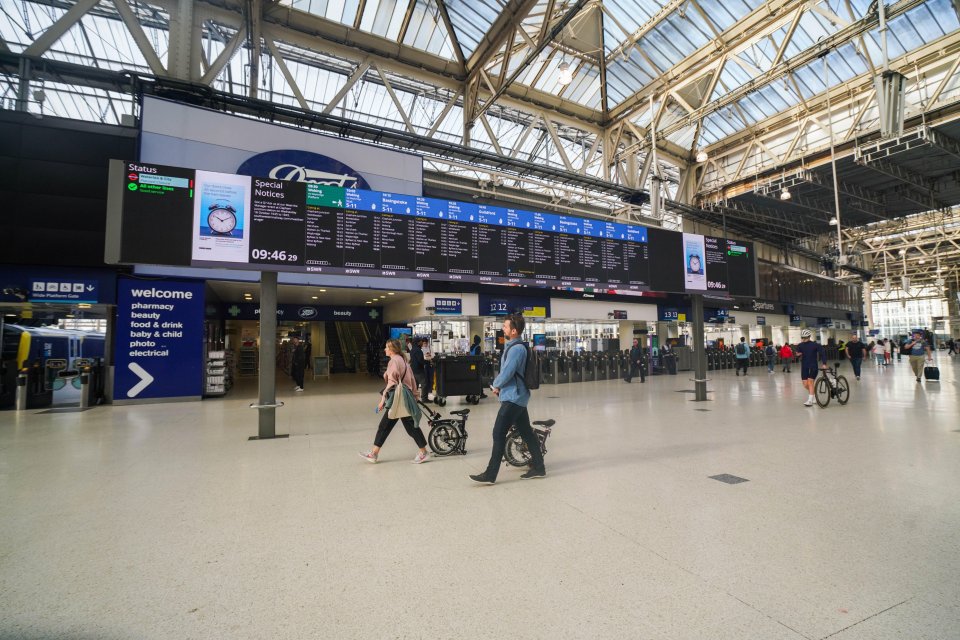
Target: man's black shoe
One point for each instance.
(534, 473)
(482, 478)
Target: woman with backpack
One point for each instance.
(771, 352)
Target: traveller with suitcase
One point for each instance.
(918, 347)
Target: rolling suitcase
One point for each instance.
(931, 374)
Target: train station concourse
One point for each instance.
(165, 521)
(510, 318)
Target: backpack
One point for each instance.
(742, 348)
(531, 370)
(770, 350)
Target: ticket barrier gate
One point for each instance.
(8, 383)
(563, 368)
(616, 365)
(603, 366)
(548, 370)
(576, 367)
(589, 367)
(32, 391)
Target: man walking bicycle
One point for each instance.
(514, 396)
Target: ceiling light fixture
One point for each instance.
(313, 297)
(922, 261)
(391, 294)
(564, 74)
(785, 194)
(833, 222)
(702, 156)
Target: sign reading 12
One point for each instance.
(498, 308)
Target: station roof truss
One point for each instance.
(583, 103)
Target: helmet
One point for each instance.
(806, 333)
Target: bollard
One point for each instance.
(22, 390)
(85, 388)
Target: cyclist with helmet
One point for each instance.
(810, 351)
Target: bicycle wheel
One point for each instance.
(821, 390)
(843, 390)
(444, 438)
(516, 453)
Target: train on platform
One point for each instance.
(26, 346)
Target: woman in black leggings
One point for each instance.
(398, 374)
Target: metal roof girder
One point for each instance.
(941, 140)
(771, 15)
(865, 24)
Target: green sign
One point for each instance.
(322, 195)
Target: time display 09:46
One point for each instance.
(274, 255)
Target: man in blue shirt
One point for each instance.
(810, 351)
(918, 348)
(514, 396)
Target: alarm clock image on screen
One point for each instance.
(221, 218)
(694, 264)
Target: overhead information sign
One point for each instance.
(174, 216)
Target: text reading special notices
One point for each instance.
(277, 222)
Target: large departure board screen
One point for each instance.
(183, 217)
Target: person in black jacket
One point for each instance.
(418, 365)
(636, 362)
(855, 352)
(298, 362)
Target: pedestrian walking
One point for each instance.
(298, 362)
(742, 351)
(810, 353)
(398, 402)
(771, 352)
(636, 362)
(419, 366)
(879, 352)
(887, 352)
(514, 397)
(786, 357)
(918, 348)
(856, 350)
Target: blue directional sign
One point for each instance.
(448, 306)
(61, 289)
(159, 340)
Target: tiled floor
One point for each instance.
(164, 521)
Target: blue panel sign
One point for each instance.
(448, 306)
(303, 312)
(761, 320)
(795, 318)
(69, 290)
(159, 340)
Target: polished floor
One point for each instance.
(164, 521)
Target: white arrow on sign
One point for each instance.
(145, 379)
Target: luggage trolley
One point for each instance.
(459, 376)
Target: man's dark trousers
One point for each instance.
(855, 363)
(512, 414)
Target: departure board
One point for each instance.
(225, 220)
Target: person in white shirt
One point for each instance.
(878, 352)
